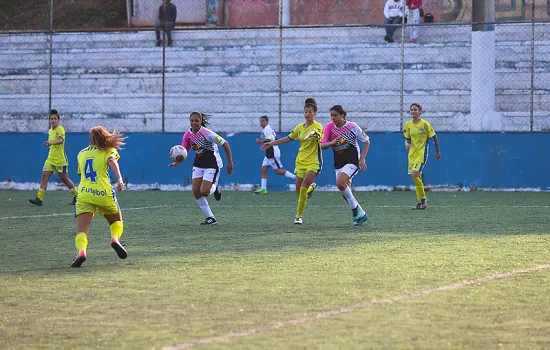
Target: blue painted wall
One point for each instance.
(468, 159)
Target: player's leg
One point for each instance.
(116, 227)
(416, 176)
(200, 192)
(46, 174)
(343, 179)
(64, 176)
(263, 184)
(215, 187)
(303, 192)
(84, 216)
(278, 168)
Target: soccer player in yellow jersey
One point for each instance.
(417, 132)
(56, 161)
(95, 191)
(309, 160)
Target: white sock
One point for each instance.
(290, 175)
(212, 189)
(203, 204)
(350, 198)
(264, 184)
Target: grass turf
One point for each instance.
(184, 282)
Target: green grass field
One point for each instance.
(256, 280)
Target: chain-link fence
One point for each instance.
(494, 80)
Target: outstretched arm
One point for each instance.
(275, 143)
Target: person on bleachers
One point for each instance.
(166, 20)
(393, 14)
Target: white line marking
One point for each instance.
(284, 206)
(70, 214)
(356, 307)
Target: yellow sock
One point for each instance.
(116, 229)
(81, 241)
(41, 193)
(310, 189)
(419, 188)
(74, 192)
(302, 200)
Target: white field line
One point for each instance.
(72, 214)
(283, 206)
(352, 308)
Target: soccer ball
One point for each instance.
(178, 153)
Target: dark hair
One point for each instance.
(417, 105)
(265, 117)
(339, 109)
(310, 102)
(204, 118)
(54, 112)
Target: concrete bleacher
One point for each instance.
(115, 78)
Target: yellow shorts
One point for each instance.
(301, 172)
(86, 203)
(55, 168)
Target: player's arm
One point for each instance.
(229, 156)
(59, 141)
(437, 151)
(113, 164)
(275, 143)
(363, 156)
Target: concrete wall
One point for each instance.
(116, 78)
(511, 160)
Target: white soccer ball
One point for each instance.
(178, 153)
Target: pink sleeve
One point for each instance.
(186, 142)
(326, 131)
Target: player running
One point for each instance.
(207, 163)
(95, 192)
(56, 161)
(272, 156)
(342, 136)
(309, 160)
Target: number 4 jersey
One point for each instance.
(94, 172)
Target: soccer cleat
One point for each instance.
(79, 259)
(36, 201)
(218, 194)
(298, 220)
(361, 220)
(423, 203)
(260, 191)
(119, 249)
(311, 189)
(74, 201)
(355, 213)
(417, 206)
(209, 221)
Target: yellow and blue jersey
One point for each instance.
(56, 155)
(309, 154)
(418, 135)
(94, 172)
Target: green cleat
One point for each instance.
(361, 220)
(261, 191)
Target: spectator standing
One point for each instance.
(393, 14)
(413, 18)
(166, 20)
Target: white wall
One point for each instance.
(115, 78)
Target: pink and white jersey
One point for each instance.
(347, 151)
(205, 144)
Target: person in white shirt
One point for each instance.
(272, 155)
(393, 14)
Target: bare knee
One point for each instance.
(280, 172)
(205, 193)
(197, 194)
(341, 185)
